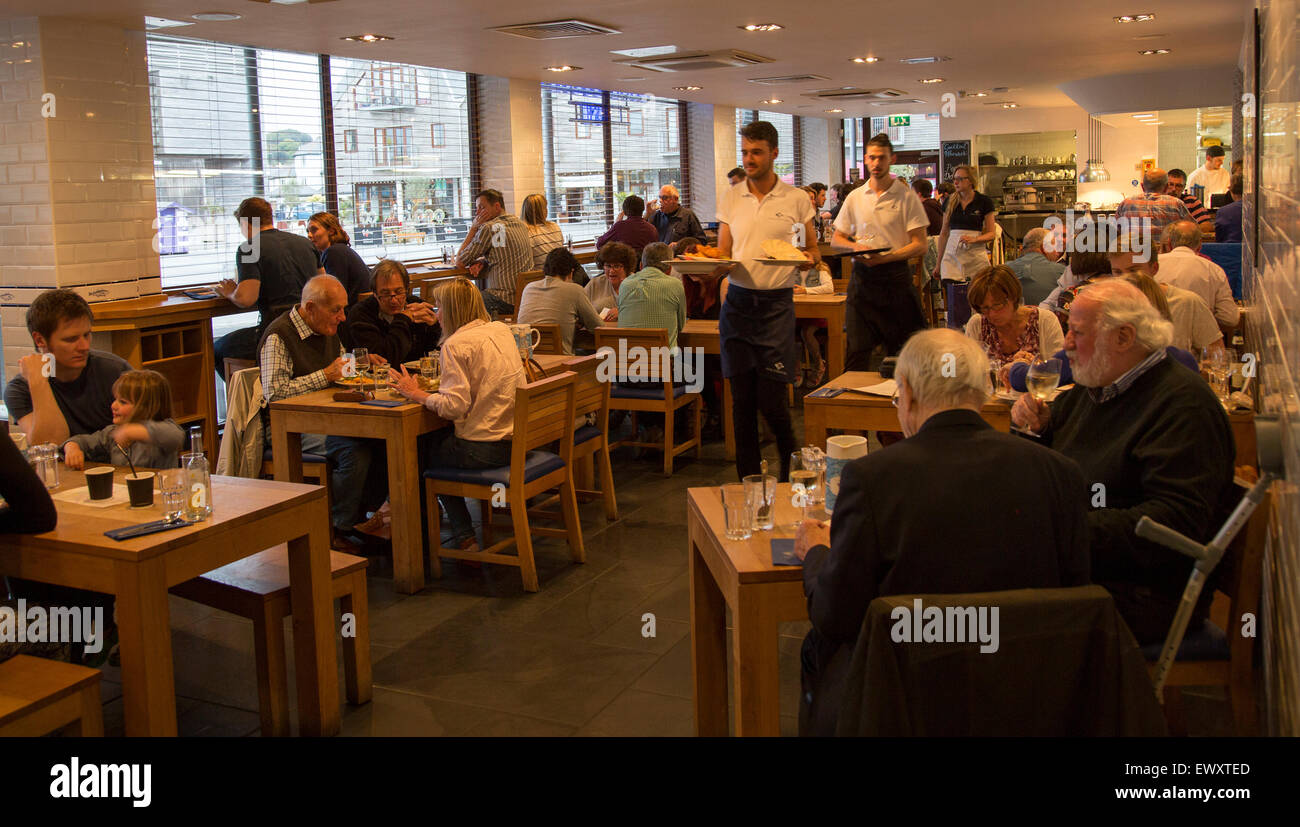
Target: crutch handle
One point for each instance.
(1149, 529)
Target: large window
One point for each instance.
(643, 153)
(405, 191)
(789, 164)
(230, 122)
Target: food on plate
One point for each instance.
(704, 253)
(779, 248)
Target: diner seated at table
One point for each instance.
(617, 261)
(1009, 331)
(393, 322)
(1019, 522)
(74, 398)
(337, 256)
(555, 299)
(300, 352)
(481, 370)
(652, 298)
(543, 235)
(1152, 439)
(816, 281)
(1037, 267)
(1195, 329)
(1083, 266)
(1182, 265)
(271, 269)
(1018, 373)
(631, 228)
(497, 248)
(1227, 220)
(142, 435)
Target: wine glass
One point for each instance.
(1043, 377)
(362, 357)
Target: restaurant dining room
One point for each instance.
(648, 372)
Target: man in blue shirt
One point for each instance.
(1227, 221)
(1037, 268)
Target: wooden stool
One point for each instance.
(39, 696)
(257, 588)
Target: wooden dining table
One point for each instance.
(400, 428)
(740, 575)
(248, 516)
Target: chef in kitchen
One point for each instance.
(968, 226)
(756, 326)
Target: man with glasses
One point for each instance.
(887, 217)
(673, 221)
(392, 323)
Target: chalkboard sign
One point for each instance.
(953, 154)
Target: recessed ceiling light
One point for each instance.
(688, 88)
(1134, 18)
(865, 59)
(1145, 115)
(1010, 105)
(930, 80)
(762, 27)
(1154, 52)
(215, 16)
(772, 100)
(1153, 123)
(563, 68)
(834, 111)
(366, 38)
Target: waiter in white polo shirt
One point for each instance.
(756, 325)
(884, 215)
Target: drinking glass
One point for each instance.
(803, 484)
(735, 508)
(761, 492)
(1218, 365)
(44, 459)
(814, 459)
(362, 357)
(173, 486)
(429, 366)
(380, 374)
(1043, 377)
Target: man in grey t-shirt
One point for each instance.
(52, 400)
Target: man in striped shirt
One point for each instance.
(502, 239)
(1177, 188)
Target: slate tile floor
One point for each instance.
(474, 654)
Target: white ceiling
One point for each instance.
(1028, 45)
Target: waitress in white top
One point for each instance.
(756, 325)
(969, 224)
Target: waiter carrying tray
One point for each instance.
(756, 325)
(886, 216)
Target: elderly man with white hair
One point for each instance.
(300, 352)
(1182, 266)
(673, 221)
(1152, 440)
(1037, 268)
(956, 507)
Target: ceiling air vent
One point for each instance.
(788, 79)
(854, 93)
(698, 61)
(555, 29)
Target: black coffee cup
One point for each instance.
(139, 487)
(100, 482)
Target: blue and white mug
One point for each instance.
(840, 450)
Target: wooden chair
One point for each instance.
(257, 588)
(552, 340)
(231, 366)
(543, 414)
(315, 468)
(1219, 654)
(659, 395)
(521, 281)
(591, 396)
(40, 696)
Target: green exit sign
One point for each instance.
(900, 120)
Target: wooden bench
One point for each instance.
(257, 588)
(40, 696)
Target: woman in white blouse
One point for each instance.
(481, 369)
(1009, 331)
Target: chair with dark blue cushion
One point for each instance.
(1227, 256)
(1219, 654)
(658, 393)
(543, 415)
(591, 399)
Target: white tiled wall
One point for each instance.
(76, 170)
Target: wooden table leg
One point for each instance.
(757, 693)
(404, 494)
(814, 425)
(835, 342)
(286, 450)
(145, 637)
(311, 595)
(728, 429)
(708, 649)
